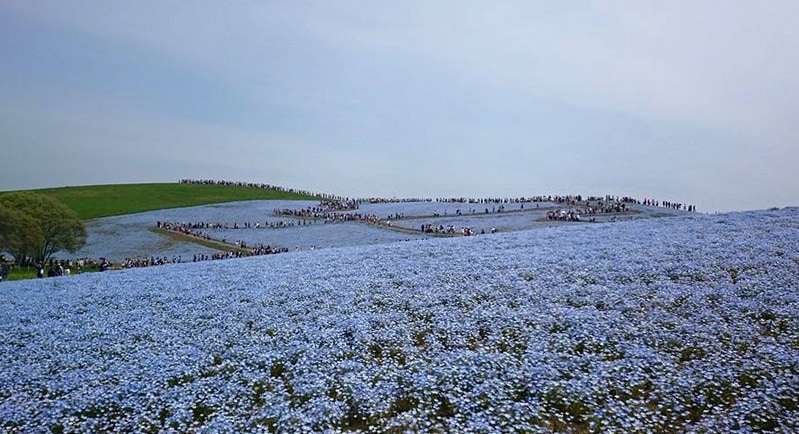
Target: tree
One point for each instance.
(19, 233)
(60, 228)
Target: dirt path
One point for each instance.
(213, 244)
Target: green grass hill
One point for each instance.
(94, 201)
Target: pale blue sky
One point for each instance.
(682, 100)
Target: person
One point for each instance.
(39, 270)
(4, 270)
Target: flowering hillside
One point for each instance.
(658, 325)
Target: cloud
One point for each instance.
(692, 101)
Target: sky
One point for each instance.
(684, 101)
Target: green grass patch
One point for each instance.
(94, 201)
(22, 273)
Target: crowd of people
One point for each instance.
(430, 228)
(334, 201)
(55, 268)
(320, 214)
(608, 200)
(241, 250)
(197, 226)
(237, 249)
(152, 261)
(506, 200)
(52, 267)
(352, 203)
(337, 209)
(393, 200)
(656, 203)
(183, 228)
(339, 205)
(579, 209)
(568, 215)
(323, 211)
(260, 185)
(586, 211)
(669, 204)
(67, 267)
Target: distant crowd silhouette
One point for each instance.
(259, 185)
(574, 200)
(316, 214)
(196, 226)
(352, 203)
(239, 248)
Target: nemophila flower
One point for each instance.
(634, 326)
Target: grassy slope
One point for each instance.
(108, 200)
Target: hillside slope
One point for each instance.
(665, 325)
(94, 201)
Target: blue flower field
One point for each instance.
(680, 324)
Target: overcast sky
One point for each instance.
(694, 102)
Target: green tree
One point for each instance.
(60, 228)
(19, 233)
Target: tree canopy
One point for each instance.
(37, 226)
(19, 233)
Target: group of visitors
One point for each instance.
(61, 267)
(566, 215)
(258, 250)
(324, 210)
(393, 200)
(353, 203)
(669, 204)
(430, 228)
(185, 227)
(238, 249)
(338, 205)
(260, 185)
(335, 209)
(571, 200)
(242, 250)
(54, 267)
(354, 217)
(506, 200)
(317, 213)
(152, 261)
(587, 211)
(607, 207)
